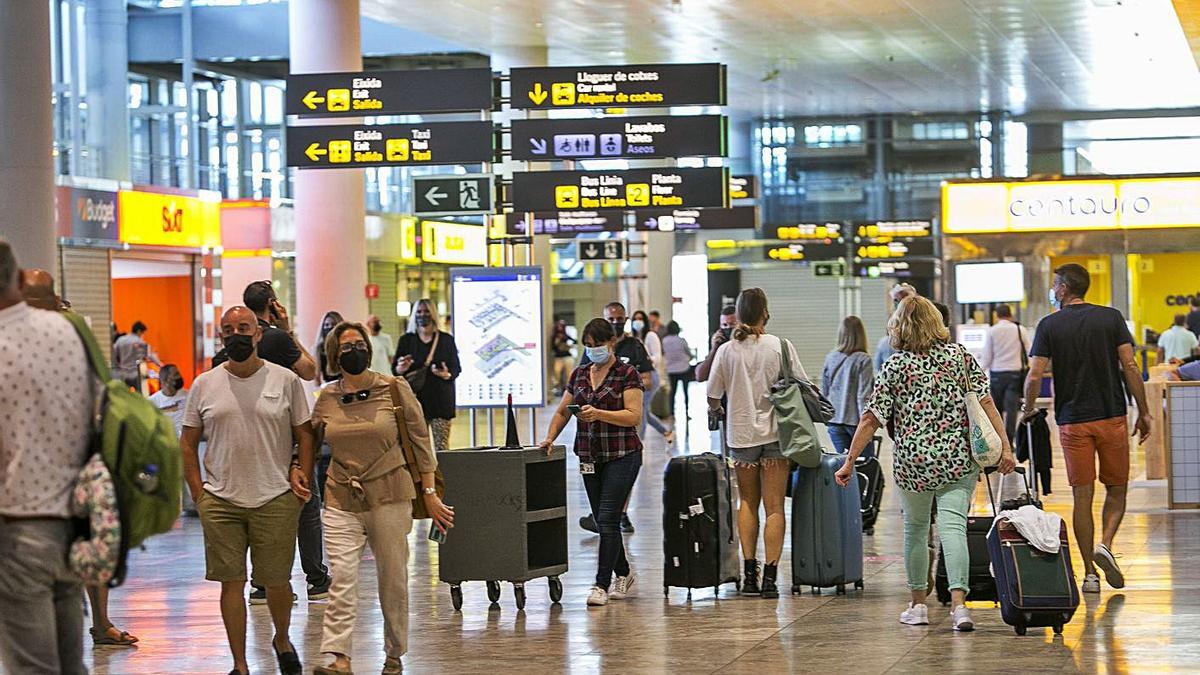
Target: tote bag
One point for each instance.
(986, 446)
(798, 439)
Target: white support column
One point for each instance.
(330, 206)
(107, 134)
(26, 133)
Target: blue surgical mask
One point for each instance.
(638, 325)
(1054, 301)
(598, 355)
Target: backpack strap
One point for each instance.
(95, 358)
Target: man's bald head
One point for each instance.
(38, 289)
(238, 314)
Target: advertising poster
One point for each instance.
(500, 334)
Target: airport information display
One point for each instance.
(498, 328)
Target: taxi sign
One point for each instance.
(343, 146)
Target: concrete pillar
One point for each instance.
(27, 133)
(1045, 145)
(107, 130)
(330, 206)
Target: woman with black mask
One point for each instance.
(428, 359)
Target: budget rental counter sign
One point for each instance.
(1040, 206)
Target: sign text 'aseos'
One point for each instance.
(643, 137)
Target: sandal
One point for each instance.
(393, 666)
(123, 639)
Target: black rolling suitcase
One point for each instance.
(699, 537)
(870, 485)
(982, 587)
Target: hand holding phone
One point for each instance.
(436, 534)
(574, 409)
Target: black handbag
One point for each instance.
(419, 377)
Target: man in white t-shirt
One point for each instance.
(1006, 360)
(172, 398)
(1177, 342)
(251, 411)
(382, 347)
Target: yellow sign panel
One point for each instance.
(408, 239)
(154, 219)
(453, 243)
(562, 93)
(1070, 205)
(566, 196)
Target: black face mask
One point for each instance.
(727, 333)
(239, 347)
(424, 321)
(374, 328)
(354, 361)
(618, 327)
(177, 383)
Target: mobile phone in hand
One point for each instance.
(436, 534)
(574, 409)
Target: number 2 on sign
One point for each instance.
(637, 194)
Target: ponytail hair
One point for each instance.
(751, 313)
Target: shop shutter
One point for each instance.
(874, 309)
(804, 309)
(385, 275)
(86, 282)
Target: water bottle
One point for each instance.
(147, 478)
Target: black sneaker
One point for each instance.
(289, 662)
(258, 596)
(589, 523)
(769, 589)
(319, 591)
(750, 578)
(626, 525)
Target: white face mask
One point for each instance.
(1054, 301)
(638, 325)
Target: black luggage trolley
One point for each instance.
(510, 519)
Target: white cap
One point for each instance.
(903, 288)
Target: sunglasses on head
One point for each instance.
(358, 395)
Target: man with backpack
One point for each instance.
(251, 411)
(48, 399)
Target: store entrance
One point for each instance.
(159, 291)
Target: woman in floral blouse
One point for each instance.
(921, 390)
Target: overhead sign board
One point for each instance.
(806, 252)
(638, 137)
(631, 188)
(499, 333)
(566, 222)
(687, 220)
(829, 269)
(469, 194)
(453, 243)
(743, 187)
(84, 213)
(161, 219)
(343, 146)
(822, 232)
(888, 229)
(903, 269)
(390, 92)
(635, 86)
(894, 249)
(1070, 205)
(601, 250)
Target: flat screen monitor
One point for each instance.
(980, 283)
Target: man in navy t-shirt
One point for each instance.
(1092, 356)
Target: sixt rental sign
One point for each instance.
(654, 85)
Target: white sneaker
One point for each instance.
(623, 587)
(1091, 584)
(598, 597)
(960, 618)
(1106, 561)
(915, 615)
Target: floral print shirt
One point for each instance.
(923, 395)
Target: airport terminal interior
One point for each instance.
(653, 284)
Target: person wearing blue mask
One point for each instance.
(606, 397)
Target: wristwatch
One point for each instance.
(430, 490)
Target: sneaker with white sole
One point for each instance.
(1091, 584)
(960, 619)
(623, 587)
(915, 615)
(598, 597)
(1106, 561)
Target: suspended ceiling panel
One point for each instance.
(820, 57)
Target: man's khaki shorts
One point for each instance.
(268, 532)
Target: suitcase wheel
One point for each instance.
(493, 591)
(556, 589)
(456, 596)
(519, 595)
(841, 589)
(1020, 630)
(1058, 628)
(859, 585)
(795, 589)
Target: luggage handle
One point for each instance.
(992, 497)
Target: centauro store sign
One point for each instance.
(155, 219)
(1041, 206)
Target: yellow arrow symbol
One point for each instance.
(311, 100)
(314, 151)
(538, 94)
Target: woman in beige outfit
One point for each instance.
(369, 493)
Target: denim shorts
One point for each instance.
(754, 455)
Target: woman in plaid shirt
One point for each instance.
(606, 396)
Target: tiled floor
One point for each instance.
(1151, 626)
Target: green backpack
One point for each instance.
(140, 448)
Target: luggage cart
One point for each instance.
(510, 519)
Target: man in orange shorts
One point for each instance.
(1092, 356)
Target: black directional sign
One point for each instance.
(390, 92)
(631, 188)
(601, 250)
(806, 252)
(352, 145)
(565, 222)
(637, 86)
(903, 269)
(684, 136)
(453, 195)
(685, 220)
